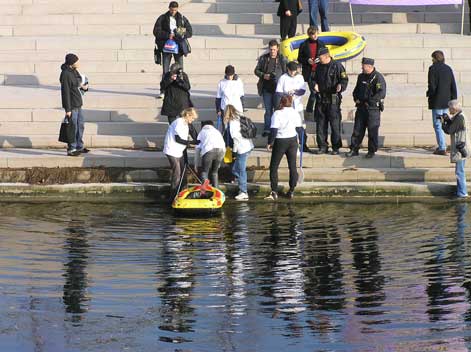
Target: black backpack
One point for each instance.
(247, 127)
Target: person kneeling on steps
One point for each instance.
(286, 126)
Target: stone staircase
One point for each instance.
(114, 40)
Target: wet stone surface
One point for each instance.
(258, 277)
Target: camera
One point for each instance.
(443, 117)
(461, 147)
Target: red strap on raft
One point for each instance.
(204, 187)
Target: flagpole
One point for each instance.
(462, 17)
(351, 15)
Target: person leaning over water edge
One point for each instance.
(241, 148)
(212, 148)
(172, 25)
(175, 145)
(441, 89)
(286, 126)
(71, 93)
(457, 126)
(270, 67)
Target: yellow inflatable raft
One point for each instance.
(199, 199)
(342, 45)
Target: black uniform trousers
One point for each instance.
(288, 147)
(328, 114)
(288, 26)
(366, 118)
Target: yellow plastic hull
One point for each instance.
(184, 202)
(342, 45)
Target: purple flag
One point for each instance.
(405, 2)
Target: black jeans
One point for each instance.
(325, 115)
(366, 118)
(288, 147)
(211, 162)
(167, 58)
(177, 165)
(288, 26)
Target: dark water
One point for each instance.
(260, 277)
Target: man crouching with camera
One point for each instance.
(456, 126)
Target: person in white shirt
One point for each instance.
(241, 148)
(230, 92)
(175, 144)
(292, 83)
(212, 148)
(286, 125)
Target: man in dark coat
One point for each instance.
(176, 87)
(270, 68)
(71, 92)
(441, 89)
(172, 25)
(288, 11)
(368, 95)
(329, 81)
(308, 57)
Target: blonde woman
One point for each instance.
(176, 142)
(242, 148)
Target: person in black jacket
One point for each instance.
(441, 89)
(329, 81)
(288, 11)
(270, 68)
(308, 57)
(71, 92)
(368, 95)
(176, 87)
(172, 25)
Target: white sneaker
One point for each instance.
(242, 196)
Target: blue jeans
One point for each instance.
(322, 7)
(461, 189)
(437, 126)
(239, 170)
(269, 101)
(79, 125)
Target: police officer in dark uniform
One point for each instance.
(328, 81)
(369, 94)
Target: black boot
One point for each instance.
(351, 153)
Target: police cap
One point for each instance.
(368, 61)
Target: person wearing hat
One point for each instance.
(292, 83)
(329, 81)
(230, 91)
(368, 95)
(71, 92)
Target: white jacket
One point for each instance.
(241, 145)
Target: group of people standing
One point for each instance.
(281, 85)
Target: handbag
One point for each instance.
(228, 156)
(157, 56)
(67, 131)
(186, 47)
(170, 47)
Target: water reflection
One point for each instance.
(76, 246)
(276, 277)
